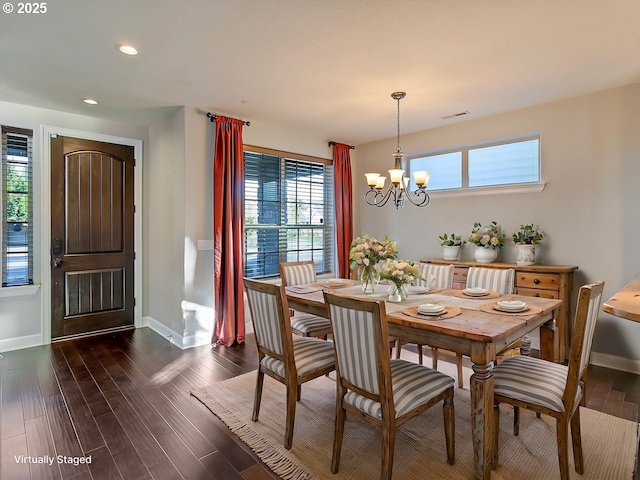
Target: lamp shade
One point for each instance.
(395, 175)
(421, 178)
(372, 179)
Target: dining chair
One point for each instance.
(385, 392)
(305, 324)
(291, 360)
(437, 276)
(551, 388)
(501, 280)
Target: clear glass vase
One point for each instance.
(369, 278)
(397, 293)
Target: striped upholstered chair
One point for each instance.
(305, 324)
(496, 279)
(442, 277)
(384, 392)
(550, 388)
(501, 280)
(291, 360)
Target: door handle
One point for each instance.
(56, 262)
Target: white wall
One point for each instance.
(21, 317)
(590, 153)
(164, 210)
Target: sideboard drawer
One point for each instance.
(460, 275)
(546, 281)
(535, 292)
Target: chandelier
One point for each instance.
(398, 188)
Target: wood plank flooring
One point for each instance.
(123, 399)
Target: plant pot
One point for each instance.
(525, 254)
(485, 255)
(451, 252)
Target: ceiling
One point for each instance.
(326, 66)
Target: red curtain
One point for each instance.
(228, 232)
(344, 214)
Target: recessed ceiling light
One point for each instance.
(127, 49)
(90, 101)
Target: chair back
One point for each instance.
(443, 275)
(588, 307)
(499, 280)
(297, 273)
(360, 337)
(268, 304)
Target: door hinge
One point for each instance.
(134, 255)
(134, 302)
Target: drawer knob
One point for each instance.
(536, 281)
(537, 295)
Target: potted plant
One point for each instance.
(487, 240)
(399, 273)
(451, 246)
(365, 253)
(526, 239)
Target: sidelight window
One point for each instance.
(17, 207)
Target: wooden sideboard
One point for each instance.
(546, 281)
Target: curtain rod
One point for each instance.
(332, 143)
(213, 116)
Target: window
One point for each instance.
(490, 165)
(17, 207)
(288, 211)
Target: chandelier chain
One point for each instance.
(398, 149)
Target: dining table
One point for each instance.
(471, 326)
(626, 302)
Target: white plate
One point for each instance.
(432, 313)
(430, 309)
(511, 305)
(416, 290)
(516, 309)
(475, 292)
(334, 284)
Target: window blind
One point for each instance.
(288, 213)
(17, 206)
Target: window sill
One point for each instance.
(501, 190)
(19, 291)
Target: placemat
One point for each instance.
(490, 294)
(488, 308)
(449, 312)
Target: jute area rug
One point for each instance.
(609, 443)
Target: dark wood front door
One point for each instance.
(92, 244)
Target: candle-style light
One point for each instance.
(399, 184)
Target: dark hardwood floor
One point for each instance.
(123, 399)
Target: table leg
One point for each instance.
(481, 419)
(550, 342)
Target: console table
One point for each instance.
(546, 281)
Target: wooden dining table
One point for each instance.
(478, 331)
(626, 302)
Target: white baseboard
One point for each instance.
(182, 342)
(18, 343)
(164, 331)
(616, 363)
